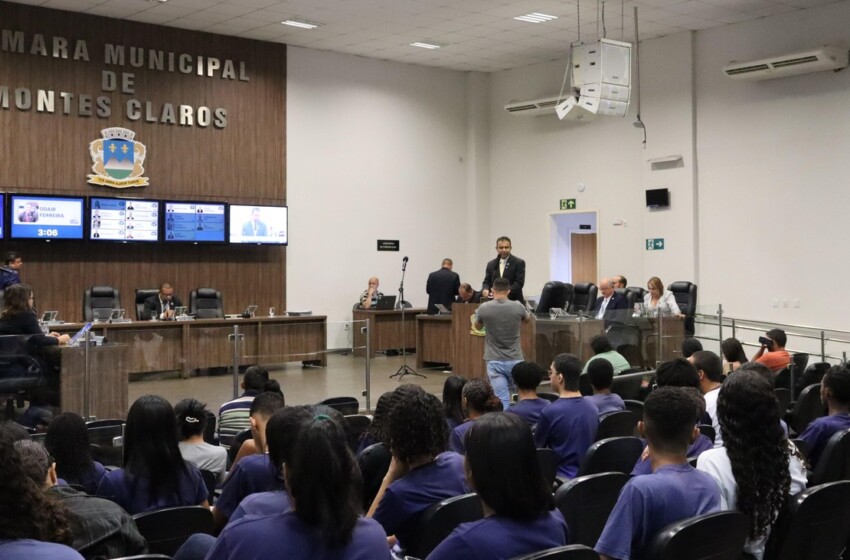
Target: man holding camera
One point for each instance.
(772, 352)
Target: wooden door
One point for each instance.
(583, 257)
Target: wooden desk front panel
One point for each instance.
(300, 338)
(108, 378)
(385, 331)
(434, 339)
(209, 343)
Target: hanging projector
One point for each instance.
(600, 75)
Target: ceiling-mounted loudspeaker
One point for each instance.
(572, 109)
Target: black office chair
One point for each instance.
(569, 552)
(584, 297)
(345, 405)
(167, 529)
(713, 536)
(834, 462)
(816, 525)
(205, 303)
(374, 462)
(638, 292)
(555, 295)
(439, 520)
(630, 295)
(628, 386)
(142, 294)
(617, 454)
(807, 407)
(99, 301)
(586, 502)
(617, 424)
(355, 426)
(686, 298)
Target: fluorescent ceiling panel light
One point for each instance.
(536, 17)
(302, 23)
(424, 45)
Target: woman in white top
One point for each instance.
(191, 424)
(659, 300)
(757, 468)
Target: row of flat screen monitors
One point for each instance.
(141, 220)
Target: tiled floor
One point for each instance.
(344, 376)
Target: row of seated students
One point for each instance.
(755, 471)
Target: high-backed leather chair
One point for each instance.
(142, 294)
(584, 297)
(554, 295)
(205, 303)
(637, 294)
(99, 301)
(686, 298)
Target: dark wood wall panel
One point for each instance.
(241, 163)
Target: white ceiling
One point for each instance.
(477, 35)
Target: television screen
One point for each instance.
(198, 222)
(118, 219)
(46, 217)
(657, 198)
(258, 224)
(2, 213)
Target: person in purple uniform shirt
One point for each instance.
(478, 399)
(421, 472)
(31, 524)
(527, 376)
(154, 474)
(568, 425)
(673, 492)
(600, 373)
(453, 400)
(324, 522)
(67, 441)
(835, 395)
(519, 513)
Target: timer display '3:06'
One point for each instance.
(47, 232)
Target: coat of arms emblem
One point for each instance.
(117, 159)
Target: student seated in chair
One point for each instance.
(673, 492)
(835, 395)
(527, 376)
(601, 376)
(478, 400)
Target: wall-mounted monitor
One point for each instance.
(259, 224)
(195, 222)
(45, 217)
(119, 219)
(2, 214)
(657, 198)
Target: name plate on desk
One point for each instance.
(184, 318)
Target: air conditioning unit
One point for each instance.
(535, 108)
(793, 64)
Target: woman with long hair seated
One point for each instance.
(478, 399)
(324, 522)
(154, 475)
(757, 468)
(191, 425)
(67, 441)
(18, 317)
(421, 471)
(733, 355)
(32, 525)
(377, 431)
(453, 400)
(519, 512)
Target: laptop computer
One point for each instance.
(385, 303)
(442, 309)
(49, 316)
(76, 339)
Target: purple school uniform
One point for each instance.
(90, 479)
(501, 538)
(27, 549)
(134, 495)
(456, 440)
(254, 473)
(817, 434)
(262, 504)
(284, 535)
(568, 426)
(607, 403)
(529, 409)
(702, 443)
(649, 503)
(406, 498)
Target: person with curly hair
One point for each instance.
(31, 524)
(421, 472)
(757, 468)
(835, 396)
(673, 492)
(453, 400)
(377, 431)
(519, 513)
(154, 474)
(478, 399)
(67, 440)
(191, 425)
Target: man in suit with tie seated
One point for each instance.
(441, 287)
(505, 266)
(161, 306)
(611, 306)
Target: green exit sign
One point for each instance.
(655, 244)
(568, 204)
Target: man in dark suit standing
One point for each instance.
(161, 306)
(505, 266)
(442, 285)
(611, 306)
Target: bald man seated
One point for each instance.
(370, 296)
(610, 306)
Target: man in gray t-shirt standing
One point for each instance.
(502, 351)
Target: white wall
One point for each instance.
(375, 150)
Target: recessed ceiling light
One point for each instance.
(536, 17)
(302, 23)
(425, 45)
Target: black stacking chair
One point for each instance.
(210, 480)
(439, 520)
(167, 529)
(708, 431)
(617, 424)
(811, 375)
(617, 454)
(374, 462)
(569, 552)
(635, 406)
(549, 461)
(807, 407)
(345, 405)
(713, 536)
(551, 397)
(834, 462)
(628, 386)
(237, 442)
(356, 426)
(587, 501)
(783, 397)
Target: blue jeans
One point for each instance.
(499, 373)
